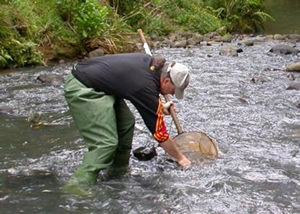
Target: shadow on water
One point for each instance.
(256, 125)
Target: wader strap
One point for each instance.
(74, 67)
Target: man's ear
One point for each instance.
(164, 81)
(167, 80)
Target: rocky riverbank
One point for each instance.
(232, 45)
(195, 40)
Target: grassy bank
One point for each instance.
(38, 31)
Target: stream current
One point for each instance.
(241, 102)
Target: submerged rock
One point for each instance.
(241, 101)
(51, 79)
(259, 79)
(39, 173)
(284, 49)
(36, 120)
(294, 86)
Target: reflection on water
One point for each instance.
(254, 124)
(286, 14)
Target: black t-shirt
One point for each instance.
(127, 76)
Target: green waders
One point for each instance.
(106, 125)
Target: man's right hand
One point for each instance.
(184, 162)
(170, 147)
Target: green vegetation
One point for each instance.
(192, 16)
(37, 31)
(238, 16)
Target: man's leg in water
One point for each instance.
(94, 116)
(125, 128)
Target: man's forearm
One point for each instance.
(170, 147)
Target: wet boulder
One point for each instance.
(259, 79)
(51, 79)
(165, 43)
(197, 38)
(180, 44)
(293, 67)
(154, 36)
(228, 51)
(283, 49)
(269, 37)
(227, 38)
(96, 53)
(173, 37)
(294, 37)
(191, 42)
(211, 36)
(211, 43)
(279, 37)
(291, 77)
(246, 43)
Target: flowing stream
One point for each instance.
(242, 102)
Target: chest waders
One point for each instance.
(106, 125)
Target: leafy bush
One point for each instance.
(192, 16)
(23, 52)
(147, 15)
(88, 17)
(5, 57)
(15, 26)
(245, 16)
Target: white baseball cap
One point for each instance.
(180, 76)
